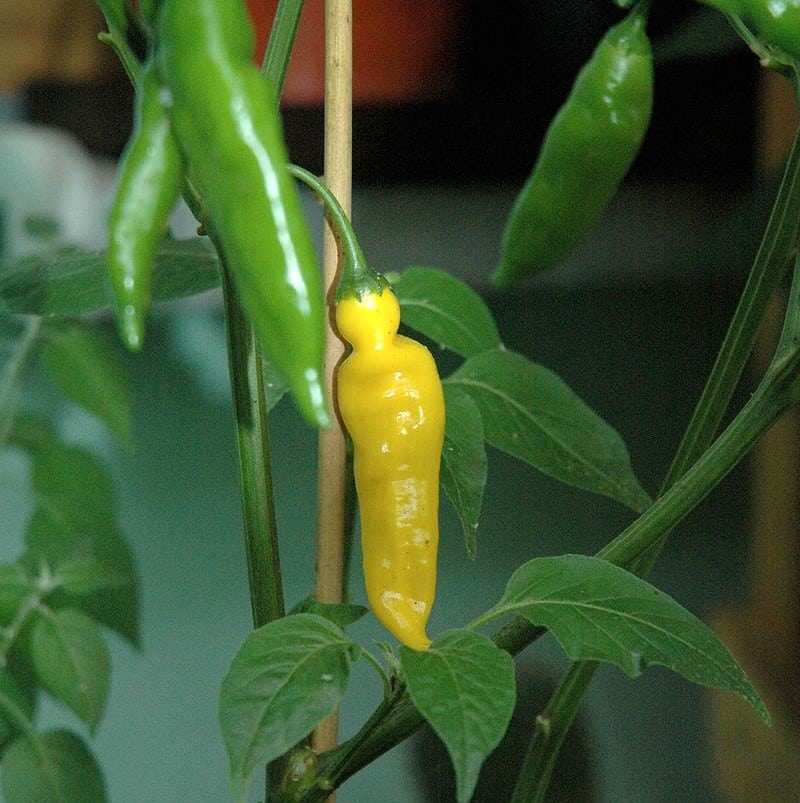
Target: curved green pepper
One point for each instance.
(775, 23)
(225, 117)
(585, 154)
(148, 187)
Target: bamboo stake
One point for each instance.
(331, 466)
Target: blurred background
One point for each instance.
(452, 98)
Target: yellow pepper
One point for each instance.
(390, 399)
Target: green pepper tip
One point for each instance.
(309, 396)
(131, 328)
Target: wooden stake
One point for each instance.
(331, 466)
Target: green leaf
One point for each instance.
(15, 587)
(341, 614)
(464, 687)
(75, 520)
(52, 767)
(600, 612)
(87, 575)
(16, 706)
(87, 366)
(43, 229)
(533, 415)
(18, 341)
(75, 282)
(287, 676)
(446, 310)
(113, 599)
(71, 660)
(464, 463)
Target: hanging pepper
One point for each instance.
(225, 117)
(586, 153)
(777, 24)
(391, 403)
(148, 187)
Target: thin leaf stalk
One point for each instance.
(770, 266)
(281, 41)
(11, 375)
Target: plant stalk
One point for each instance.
(776, 392)
(252, 440)
(552, 726)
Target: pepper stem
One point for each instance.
(358, 277)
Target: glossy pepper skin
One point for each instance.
(225, 117)
(585, 154)
(148, 186)
(775, 22)
(390, 399)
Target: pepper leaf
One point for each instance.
(600, 612)
(533, 415)
(464, 463)
(16, 706)
(287, 676)
(446, 310)
(15, 587)
(71, 660)
(87, 366)
(74, 281)
(464, 687)
(341, 614)
(74, 519)
(52, 767)
(87, 575)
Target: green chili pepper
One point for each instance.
(776, 24)
(585, 154)
(225, 116)
(148, 187)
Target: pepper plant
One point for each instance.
(219, 142)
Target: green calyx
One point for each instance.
(357, 278)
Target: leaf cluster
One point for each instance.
(76, 575)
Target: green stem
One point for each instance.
(338, 759)
(281, 41)
(651, 529)
(250, 419)
(735, 441)
(358, 277)
(777, 390)
(552, 726)
(118, 23)
(771, 263)
(11, 374)
(250, 411)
